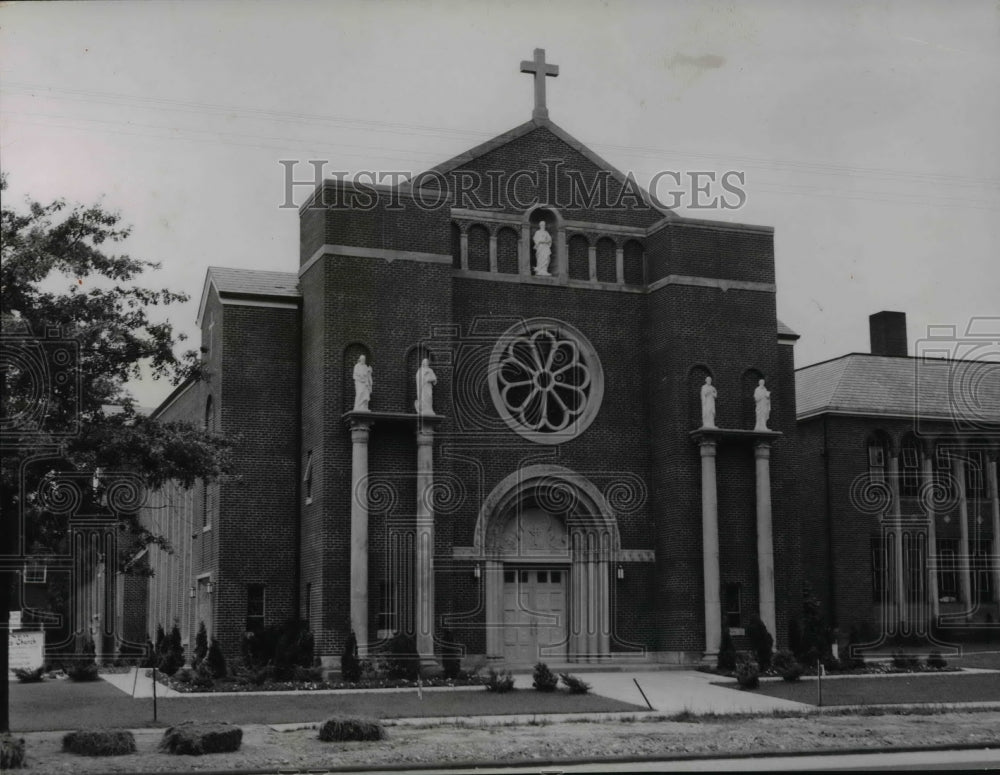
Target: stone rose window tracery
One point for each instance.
(546, 380)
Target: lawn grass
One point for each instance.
(947, 687)
(60, 705)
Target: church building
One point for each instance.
(512, 404)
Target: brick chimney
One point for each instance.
(888, 333)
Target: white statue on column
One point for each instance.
(362, 385)
(426, 379)
(543, 250)
(762, 400)
(708, 394)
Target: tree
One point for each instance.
(76, 327)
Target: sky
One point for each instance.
(868, 132)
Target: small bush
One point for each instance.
(308, 675)
(11, 752)
(81, 672)
(761, 641)
(727, 652)
(544, 679)
(350, 665)
(903, 661)
(499, 682)
(200, 644)
(935, 661)
(216, 660)
(29, 675)
(404, 662)
(792, 673)
(747, 673)
(185, 675)
(337, 730)
(201, 678)
(99, 742)
(787, 666)
(194, 738)
(574, 684)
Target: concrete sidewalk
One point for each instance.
(669, 691)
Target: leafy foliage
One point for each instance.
(574, 684)
(194, 738)
(451, 655)
(200, 644)
(11, 752)
(215, 662)
(404, 662)
(809, 635)
(935, 661)
(726, 661)
(787, 666)
(544, 679)
(761, 641)
(345, 729)
(29, 675)
(350, 665)
(170, 652)
(500, 683)
(99, 742)
(747, 672)
(280, 647)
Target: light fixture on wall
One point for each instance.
(210, 587)
(476, 572)
(193, 592)
(621, 572)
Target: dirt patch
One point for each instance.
(264, 747)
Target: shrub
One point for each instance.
(201, 677)
(313, 675)
(194, 738)
(936, 661)
(200, 644)
(11, 752)
(149, 655)
(761, 641)
(451, 655)
(903, 661)
(337, 730)
(727, 652)
(216, 660)
(747, 673)
(350, 665)
(499, 682)
(29, 675)
(185, 675)
(545, 679)
(170, 651)
(99, 742)
(787, 666)
(403, 659)
(285, 646)
(574, 684)
(810, 636)
(85, 671)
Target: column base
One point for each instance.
(710, 658)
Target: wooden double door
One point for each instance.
(535, 614)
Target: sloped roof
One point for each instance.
(248, 283)
(254, 282)
(785, 331)
(877, 385)
(457, 162)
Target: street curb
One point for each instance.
(491, 766)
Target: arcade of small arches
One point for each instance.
(488, 244)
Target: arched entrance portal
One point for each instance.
(548, 539)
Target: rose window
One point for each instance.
(546, 380)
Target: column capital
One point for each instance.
(762, 449)
(708, 446)
(425, 434)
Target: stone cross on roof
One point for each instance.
(540, 70)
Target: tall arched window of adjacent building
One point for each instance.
(909, 467)
(878, 455)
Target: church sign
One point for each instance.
(27, 649)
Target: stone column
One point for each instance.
(577, 591)
(562, 256)
(620, 264)
(493, 251)
(604, 597)
(424, 570)
(991, 468)
(927, 472)
(360, 428)
(964, 550)
(592, 262)
(765, 537)
(592, 623)
(897, 542)
(710, 549)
